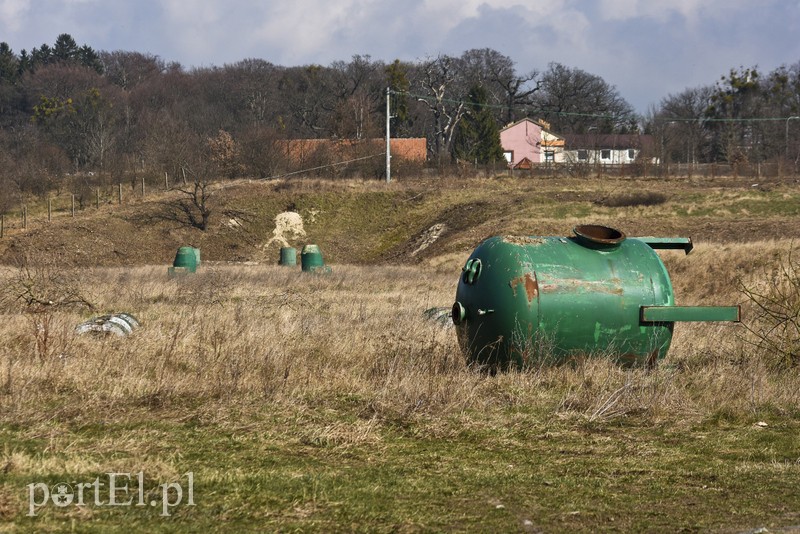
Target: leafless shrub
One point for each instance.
(41, 285)
(774, 327)
(42, 290)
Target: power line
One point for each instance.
(275, 176)
(719, 119)
(541, 111)
(527, 109)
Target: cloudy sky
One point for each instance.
(646, 48)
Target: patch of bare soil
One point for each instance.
(439, 234)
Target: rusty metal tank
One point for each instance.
(525, 300)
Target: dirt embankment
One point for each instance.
(410, 222)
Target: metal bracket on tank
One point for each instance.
(668, 243)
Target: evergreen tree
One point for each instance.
(41, 56)
(738, 96)
(65, 51)
(89, 58)
(24, 64)
(478, 137)
(397, 79)
(8, 64)
(65, 48)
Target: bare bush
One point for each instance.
(42, 292)
(774, 327)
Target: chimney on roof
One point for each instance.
(545, 124)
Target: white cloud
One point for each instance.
(11, 15)
(690, 10)
(646, 47)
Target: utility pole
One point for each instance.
(787, 134)
(388, 136)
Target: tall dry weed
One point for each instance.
(355, 343)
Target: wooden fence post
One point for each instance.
(97, 198)
(166, 181)
(49, 210)
(24, 217)
(73, 204)
(143, 186)
(2, 225)
(119, 193)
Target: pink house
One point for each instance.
(529, 140)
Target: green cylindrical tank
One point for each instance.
(288, 256)
(522, 300)
(311, 258)
(186, 258)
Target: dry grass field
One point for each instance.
(331, 403)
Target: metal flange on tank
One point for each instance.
(526, 300)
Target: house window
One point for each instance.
(631, 154)
(549, 155)
(605, 154)
(509, 155)
(583, 155)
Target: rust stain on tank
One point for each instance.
(528, 281)
(573, 285)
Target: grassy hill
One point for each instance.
(409, 222)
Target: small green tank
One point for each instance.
(311, 259)
(186, 260)
(526, 300)
(288, 256)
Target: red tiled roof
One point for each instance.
(411, 149)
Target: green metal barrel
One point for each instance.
(522, 300)
(288, 256)
(186, 258)
(311, 259)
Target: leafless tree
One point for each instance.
(442, 82)
(194, 206)
(262, 151)
(678, 125)
(358, 87)
(130, 69)
(496, 73)
(574, 100)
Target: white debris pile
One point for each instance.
(288, 226)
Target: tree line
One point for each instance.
(745, 117)
(68, 110)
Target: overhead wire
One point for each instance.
(311, 169)
(533, 110)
